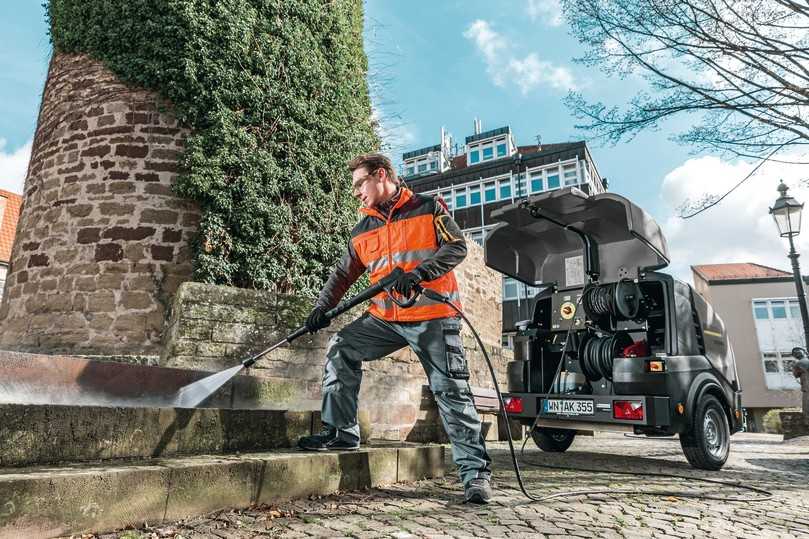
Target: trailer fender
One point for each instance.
(705, 383)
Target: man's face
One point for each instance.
(369, 187)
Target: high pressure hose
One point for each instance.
(764, 495)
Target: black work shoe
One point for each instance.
(326, 440)
(477, 491)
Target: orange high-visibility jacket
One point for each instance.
(417, 234)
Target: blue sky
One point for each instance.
(508, 62)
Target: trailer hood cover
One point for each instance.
(534, 250)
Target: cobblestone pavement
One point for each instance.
(432, 508)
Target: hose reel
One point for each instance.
(596, 354)
(621, 300)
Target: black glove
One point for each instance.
(406, 282)
(317, 320)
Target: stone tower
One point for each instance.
(102, 241)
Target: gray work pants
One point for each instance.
(437, 343)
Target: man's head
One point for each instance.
(373, 179)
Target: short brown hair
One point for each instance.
(373, 162)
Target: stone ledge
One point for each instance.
(794, 424)
(32, 434)
(56, 501)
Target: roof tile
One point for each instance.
(8, 227)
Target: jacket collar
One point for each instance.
(406, 195)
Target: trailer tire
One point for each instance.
(707, 443)
(553, 440)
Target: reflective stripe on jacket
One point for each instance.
(417, 234)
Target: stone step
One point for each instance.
(42, 434)
(98, 497)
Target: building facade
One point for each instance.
(760, 310)
(490, 172)
(9, 215)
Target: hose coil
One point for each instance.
(597, 354)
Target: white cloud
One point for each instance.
(739, 229)
(13, 166)
(531, 72)
(547, 11)
(505, 69)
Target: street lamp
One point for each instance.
(787, 214)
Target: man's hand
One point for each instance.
(317, 320)
(406, 282)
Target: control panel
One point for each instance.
(567, 310)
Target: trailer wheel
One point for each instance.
(553, 440)
(707, 444)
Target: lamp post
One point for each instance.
(787, 215)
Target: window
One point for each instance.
(794, 310)
(501, 150)
(760, 310)
(505, 189)
(520, 187)
(488, 153)
(570, 175)
(474, 156)
(474, 196)
(510, 289)
(778, 309)
(553, 181)
(536, 182)
(423, 167)
(490, 192)
(460, 198)
(447, 196)
(411, 171)
(433, 165)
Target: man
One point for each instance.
(400, 229)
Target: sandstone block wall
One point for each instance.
(102, 242)
(213, 327)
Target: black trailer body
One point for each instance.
(612, 344)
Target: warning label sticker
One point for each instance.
(574, 271)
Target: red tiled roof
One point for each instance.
(740, 270)
(8, 228)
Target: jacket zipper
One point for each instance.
(390, 256)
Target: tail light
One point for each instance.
(513, 405)
(627, 409)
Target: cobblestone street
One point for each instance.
(433, 508)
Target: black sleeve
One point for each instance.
(344, 274)
(451, 246)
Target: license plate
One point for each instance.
(567, 407)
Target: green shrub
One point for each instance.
(276, 96)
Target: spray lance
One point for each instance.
(194, 394)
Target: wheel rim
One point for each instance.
(559, 436)
(714, 434)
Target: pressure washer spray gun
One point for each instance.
(195, 393)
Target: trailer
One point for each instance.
(612, 342)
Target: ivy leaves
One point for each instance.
(276, 96)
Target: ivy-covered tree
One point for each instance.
(275, 94)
